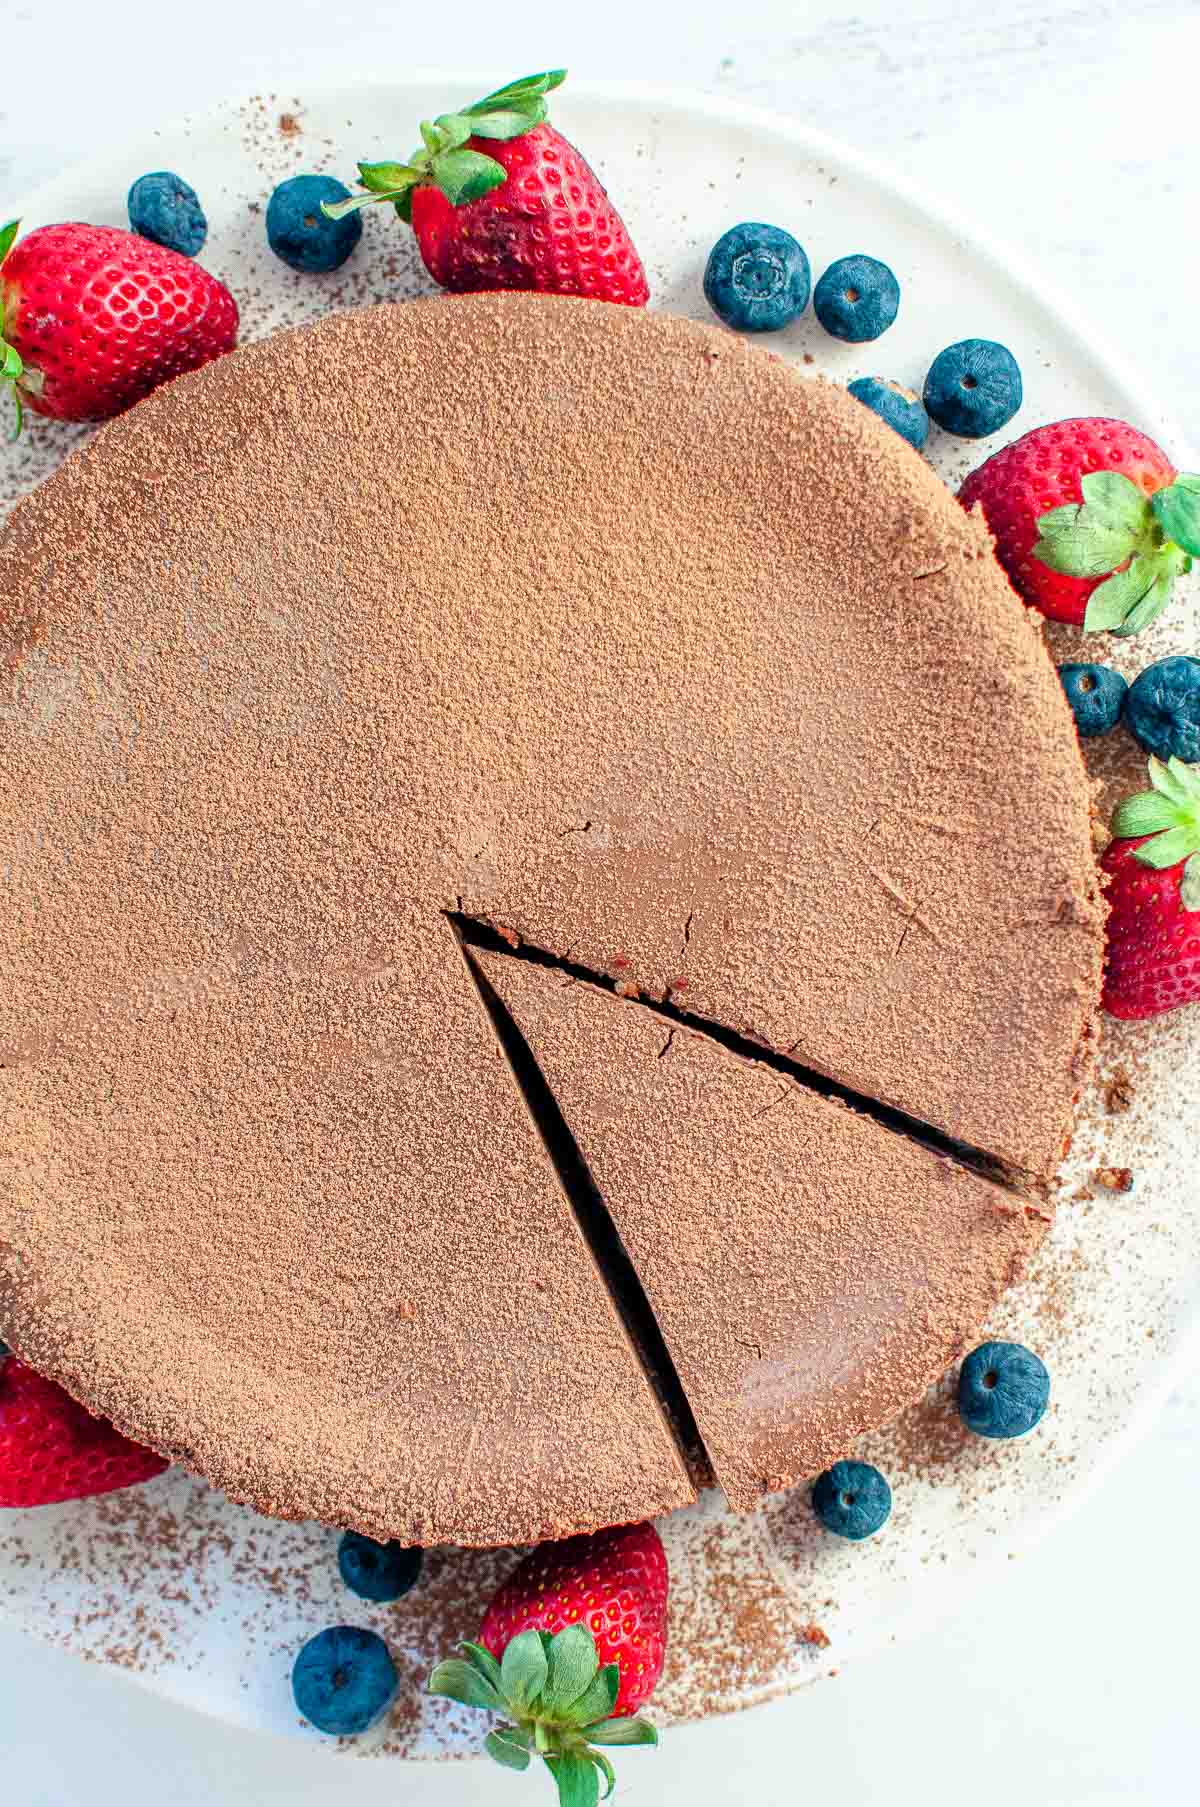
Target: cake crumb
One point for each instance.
(1115, 1179)
(1118, 1093)
(289, 125)
(813, 1634)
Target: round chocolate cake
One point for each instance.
(608, 631)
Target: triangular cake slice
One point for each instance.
(811, 1271)
(281, 1212)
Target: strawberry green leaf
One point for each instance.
(385, 178)
(1084, 549)
(606, 1770)
(433, 140)
(337, 210)
(1114, 501)
(626, 1730)
(1175, 780)
(1189, 884)
(1168, 848)
(1177, 509)
(1111, 603)
(572, 1666)
(455, 129)
(577, 1778)
(8, 236)
(466, 175)
(460, 1681)
(12, 369)
(508, 1746)
(524, 84)
(1058, 519)
(598, 1698)
(512, 121)
(1169, 814)
(484, 1661)
(404, 206)
(1148, 609)
(523, 1670)
(1146, 813)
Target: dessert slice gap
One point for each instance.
(597, 1228)
(477, 933)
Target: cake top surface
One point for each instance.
(600, 625)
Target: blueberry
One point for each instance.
(303, 236)
(857, 298)
(757, 278)
(900, 408)
(377, 1571)
(1162, 708)
(1002, 1390)
(973, 388)
(165, 208)
(853, 1499)
(1095, 693)
(344, 1680)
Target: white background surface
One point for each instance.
(1069, 128)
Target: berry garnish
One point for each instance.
(1162, 709)
(52, 1449)
(344, 1680)
(1003, 1389)
(852, 1499)
(377, 1571)
(302, 231)
(973, 388)
(499, 199)
(1153, 867)
(95, 318)
(1095, 693)
(571, 1645)
(857, 298)
(166, 209)
(757, 278)
(903, 411)
(1090, 520)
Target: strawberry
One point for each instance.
(1090, 521)
(93, 318)
(52, 1449)
(1153, 894)
(499, 200)
(576, 1635)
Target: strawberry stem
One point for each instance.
(442, 160)
(558, 1700)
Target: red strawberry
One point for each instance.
(1067, 506)
(93, 318)
(1154, 896)
(499, 200)
(614, 1582)
(52, 1449)
(576, 1635)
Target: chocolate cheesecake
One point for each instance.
(599, 626)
